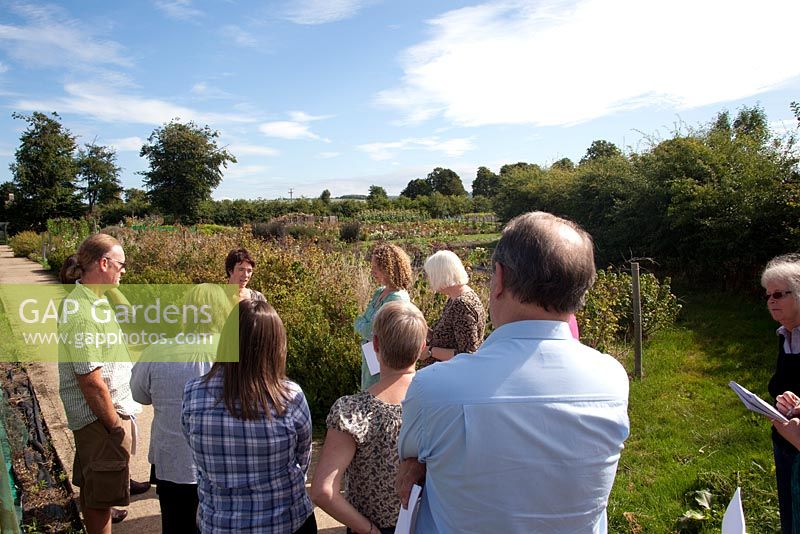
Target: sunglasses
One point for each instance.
(120, 263)
(777, 295)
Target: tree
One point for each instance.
(795, 107)
(185, 163)
(601, 149)
(564, 164)
(417, 188)
(519, 166)
(752, 122)
(377, 197)
(485, 183)
(446, 182)
(325, 197)
(97, 167)
(44, 171)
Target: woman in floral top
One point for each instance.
(361, 444)
(463, 321)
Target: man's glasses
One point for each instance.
(777, 295)
(120, 263)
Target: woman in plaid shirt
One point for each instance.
(249, 429)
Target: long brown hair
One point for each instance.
(256, 384)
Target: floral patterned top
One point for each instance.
(461, 326)
(369, 480)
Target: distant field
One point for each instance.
(690, 433)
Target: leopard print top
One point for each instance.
(369, 480)
(461, 326)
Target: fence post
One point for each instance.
(637, 321)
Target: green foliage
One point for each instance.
(185, 163)
(417, 188)
(711, 205)
(607, 315)
(485, 184)
(445, 182)
(97, 168)
(350, 231)
(398, 215)
(44, 172)
(270, 230)
(25, 243)
(325, 196)
(601, 149)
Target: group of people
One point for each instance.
(497, 431)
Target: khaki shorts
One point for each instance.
(101, 465)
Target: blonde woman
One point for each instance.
(361, 444)
(463, 322)
(391, 268)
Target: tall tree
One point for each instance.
(565, 164)
(519, 166)
(446, 182)
(325, 196)
(601, 149)
(485, 183)
(417, 188)
(185, 163)
(377, 197)
(97, 168)
(44, 171)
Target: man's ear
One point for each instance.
(498, 282)
(375, 343)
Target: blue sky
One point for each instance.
(342, 94)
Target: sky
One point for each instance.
(344, 94)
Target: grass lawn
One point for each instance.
(689, 431)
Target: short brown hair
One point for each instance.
(401, 331)
(91, 250)
(237, 255)
(547, 261)
(395, 264)
(256, 384)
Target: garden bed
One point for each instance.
(44, 493)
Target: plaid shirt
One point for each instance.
(251, 474)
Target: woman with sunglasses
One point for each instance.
(781, 279)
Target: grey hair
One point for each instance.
(444, 269)
(547, 261)
(784, 269)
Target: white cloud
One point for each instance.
(179, 9)
(568, 61)
(329, 155)
(245, 174)
(254, 150)
(105, 104)
(3, 67)
(323, 11)
(127, 144)
(296, 128)
(387, 150)
(238, 36)
(50, 38)
(204, 91)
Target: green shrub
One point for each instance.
(300, 231)
(25, 243)
(608, 313)
(350, 231)
(270, 230)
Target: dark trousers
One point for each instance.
(309, 527)
(784, 458)
(387, 530)
(178, 505)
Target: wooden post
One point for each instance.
(636, 300)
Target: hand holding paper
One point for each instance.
(754, 403)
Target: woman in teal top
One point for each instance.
(391, 268)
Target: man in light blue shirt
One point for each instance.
(524, 435)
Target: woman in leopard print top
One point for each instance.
(361, 444)
(463, 321)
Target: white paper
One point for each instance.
(407, 519)
(733, 520)
(754, 403)
(372, 359)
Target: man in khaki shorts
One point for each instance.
(94, 383)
